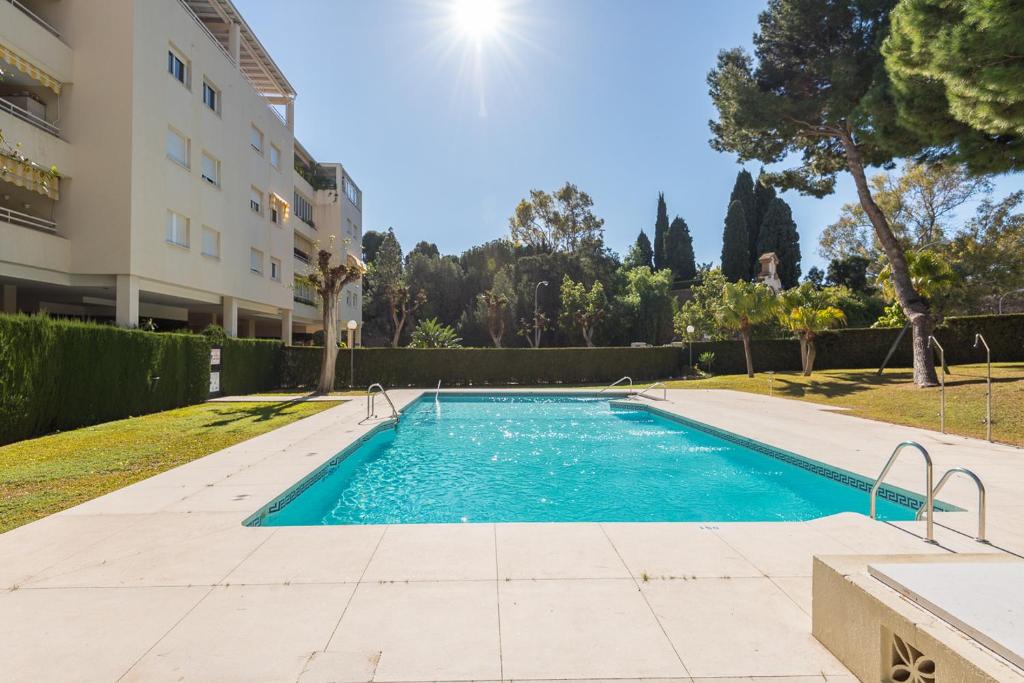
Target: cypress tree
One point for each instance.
(743, 192)
(641, 253)
(660, 231)
(778, 234)
(679, 250)
(735, 253)
(764, 195)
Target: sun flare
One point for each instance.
(476, 18)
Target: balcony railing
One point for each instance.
(28, 117)
(301, 256)
(35, 17)
(26, 221)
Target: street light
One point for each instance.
(352, 325)
(1015, 291)
(690, 329)
(536, 316)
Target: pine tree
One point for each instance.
(778, 234)
(641, 253)
(660, 231)
(744, 193)
(735, 253)
(679, 250)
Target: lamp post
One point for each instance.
(352, 325)
(536, 316)
(690, 329)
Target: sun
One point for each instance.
(476, 18)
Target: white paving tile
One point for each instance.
(434, 552)
(318, 554)
(556, 551)
(667, 550)
(780, 548)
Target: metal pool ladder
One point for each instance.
(980, 538)
(370, 401)
(664, 391)
(617, 383)
(929, 491)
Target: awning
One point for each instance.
(27, 67)
(353, 261)
(282, 206)
(30, 177)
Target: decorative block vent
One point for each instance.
(907, 664)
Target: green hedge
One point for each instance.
(462, 367)
(60, 374)
(249, 366)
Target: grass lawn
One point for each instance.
(894, 398)
(51, 473)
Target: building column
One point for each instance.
(10, 298)
(213, 318)
(230, 316)
(286, 327)
(235, 43)
(289, 114)
(251, 328)
(359, 335)
(127, 301)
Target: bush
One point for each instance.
(249, 365)
(61, 374)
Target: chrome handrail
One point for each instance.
(618, 382)
(929, 493)
(26, 221)
(28, 117)
(371, 402)
(981, 497)
(664, 391)
(437, 390)
(932, 341)
(978, 339)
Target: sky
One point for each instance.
(445, 131)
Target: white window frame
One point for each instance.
(208, 86)
(275, 156)
(255, 134)
(171, 229)
(255, 254)
(254, 204)
(207, 230)
(186, 162)
(275, 269)
(215, 181)
(175, 55)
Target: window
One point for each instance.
(275, 157)
(256, 200)
(177, 67)
(275, 270)
(304, 210)
(256, 261)
(211, 242)
(177, 147)
(256, 138)
(275, 216)
(211, 170)
(303, 293)
(211, 97)
(177, 229)
(352, 192)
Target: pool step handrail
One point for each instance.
(437, 390)
(929, 503)
(664, 391)
(980, 538)
(617, 382)
(371, 402)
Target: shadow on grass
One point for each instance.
(257, 413)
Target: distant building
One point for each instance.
(769, 271)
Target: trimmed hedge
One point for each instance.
(249, 366)
(462, 367)
(61, 374)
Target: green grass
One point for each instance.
(893, 397)
(51, 473)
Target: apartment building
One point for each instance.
(172, 131)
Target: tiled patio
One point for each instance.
(160, 581)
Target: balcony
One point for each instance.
(24, 220)
(301, 256)
(34, 17)
(29, 117)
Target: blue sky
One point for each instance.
(608, 94)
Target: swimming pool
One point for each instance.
(565, 458)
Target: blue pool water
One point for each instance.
(509, 458)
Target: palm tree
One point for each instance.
(744, 305)
(930, 275)
(805, 311)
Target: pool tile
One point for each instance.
(416, 631)
(85, 634)
(582, 629)
(304, 554)
(247, 633)
(556, 551)
(666, 550)
(780, 548)
(434, 552)
(738, 627)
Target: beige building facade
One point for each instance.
(172, 133)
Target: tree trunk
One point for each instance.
(803, 353)
(745, 333)
(588, 337)
(330, 352)
(811, 352)
(914, 306)
(399, 324)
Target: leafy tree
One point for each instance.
(778, 234)
(443, 281)
(807, 313)
(641, 253)
(390, 281)
(744, 305)
(702, 308)
(371, 243)
(815, 277)
(428, 249)
(851, 272)
(957, 71)
(679, 250)
(581, 309)
(528, 327)
(560, 221)
(433, 334)
(647, 299)
(327, 278)
(735, 252)
(660, 232)
(815, 89)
